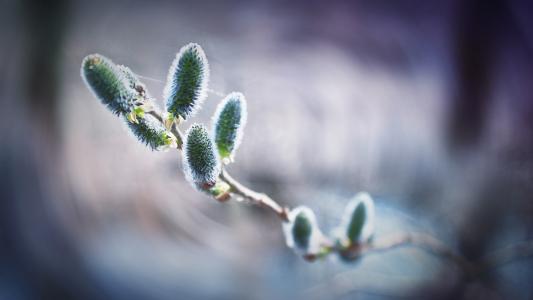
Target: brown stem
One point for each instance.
(260, 199)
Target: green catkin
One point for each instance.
(301, 230)
(152, 133)
(228, 124)
(357, 222)
(108, 83)
(201, 163)
(355, 227)
(186, 84)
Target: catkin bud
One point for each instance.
(186, 84)
(221, 191)
(200, 159)
(302, 232)
(357, 224)
(152, 133)
(228, 125)
(108, 83)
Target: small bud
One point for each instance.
(187, 79)
(151, 132)
(220, 191)
(200, 160)
(357, 224)
(108, 83)
(228, 125)
(301, 231)
(138, 111)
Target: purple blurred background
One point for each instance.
(427, 106)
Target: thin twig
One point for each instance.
(179, 136)
(253, 196)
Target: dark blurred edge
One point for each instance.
(38, 258)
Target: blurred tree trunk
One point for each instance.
(35, 250)
(477, 37)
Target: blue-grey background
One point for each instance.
(427, 105)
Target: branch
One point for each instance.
(420, 240)
(107, 80)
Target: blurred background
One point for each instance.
(426, 105)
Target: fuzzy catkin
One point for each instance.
(201, 163)
(151, 132)
(228, 124)
(301, 231)
(358, 219)
(108, 83)
(186, 84)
